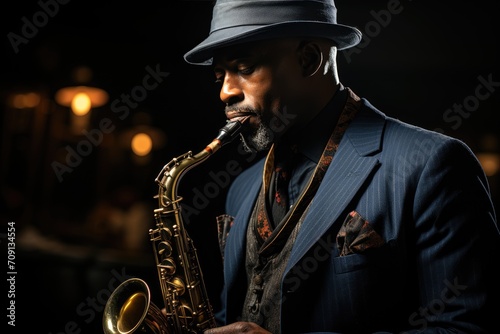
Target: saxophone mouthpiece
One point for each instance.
(227, 134)
(231, 130)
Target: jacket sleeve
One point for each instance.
(457, 244)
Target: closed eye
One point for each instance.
(246, 70)
(219, 77)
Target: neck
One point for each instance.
(312, 107)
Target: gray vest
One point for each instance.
(264, 274)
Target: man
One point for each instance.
(380, 227)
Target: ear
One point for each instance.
(310, 57)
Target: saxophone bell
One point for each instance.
(130, 310)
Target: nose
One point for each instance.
(231, 91)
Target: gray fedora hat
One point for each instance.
(239, 21)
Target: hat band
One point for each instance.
(232, 14)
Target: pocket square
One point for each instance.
(356, 235)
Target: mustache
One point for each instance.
(234, 111)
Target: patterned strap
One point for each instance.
(273, 239)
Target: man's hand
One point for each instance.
(238, 327)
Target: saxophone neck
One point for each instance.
(186, 161)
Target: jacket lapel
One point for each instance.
(236, 244)
(350, 167)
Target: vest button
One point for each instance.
(258, 280)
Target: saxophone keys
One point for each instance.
(164, 249)
(179, 286)
(167, 267)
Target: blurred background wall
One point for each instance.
(78, 189)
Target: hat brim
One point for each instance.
(344, 37)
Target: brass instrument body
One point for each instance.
(129, 308)
(179, 272)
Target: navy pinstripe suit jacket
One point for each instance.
(426, 195)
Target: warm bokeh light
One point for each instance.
(25, 100)
(81, 104)
(65, 96)
(31, 100)
(141, 144)
(490, 162)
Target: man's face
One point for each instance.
(260, 80)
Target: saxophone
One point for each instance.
(129, 308)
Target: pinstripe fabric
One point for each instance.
(427, 196)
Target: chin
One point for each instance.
(259, 139)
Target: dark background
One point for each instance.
(417, 60)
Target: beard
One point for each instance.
(258, 140)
